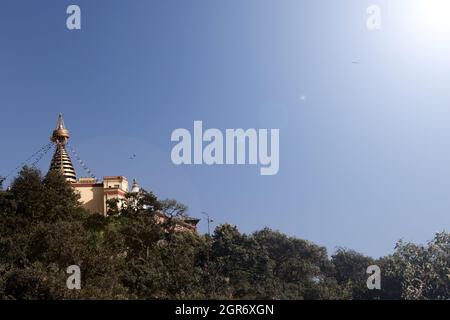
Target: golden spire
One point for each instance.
(61, 160)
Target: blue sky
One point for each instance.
(364, 158)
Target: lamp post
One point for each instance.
(208, 219)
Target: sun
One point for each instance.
(435, 15)
(425, 25)
(419, 30)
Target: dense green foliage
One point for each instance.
(127, 255)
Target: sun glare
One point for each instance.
(435, 15)
(423, 29)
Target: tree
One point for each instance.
(43, 231)
(135, 252)
(299, 268)
(349, 270)
(424, 271)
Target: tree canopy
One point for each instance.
(128, 254)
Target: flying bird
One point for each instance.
(132, 156)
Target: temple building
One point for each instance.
(94, 194)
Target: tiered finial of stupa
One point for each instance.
(61, 160)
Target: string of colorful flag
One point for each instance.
(81, 162)
(36, 157)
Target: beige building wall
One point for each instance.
(91, 196)
(116, 182)
(94, 195)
